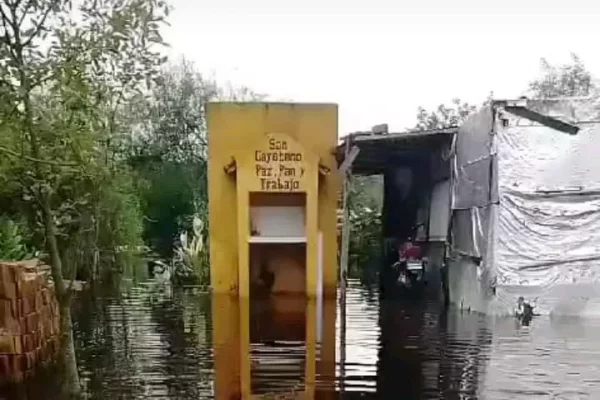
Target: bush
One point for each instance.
(190, 262)
(365, 202)
(365, 239)
(13, 240)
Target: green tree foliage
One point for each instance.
(169, 154)
(563, 80)
(365, 200)
(65, 73)
(13, 240)
(444, 116)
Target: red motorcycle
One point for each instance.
(410, 267)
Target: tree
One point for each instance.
(444, 116)
(365, 200)
(563, 80)
(64, 75)
(169, 152)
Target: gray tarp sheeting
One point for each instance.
(531, 220)
(439, 211)
(470, 272)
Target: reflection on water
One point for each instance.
(277, 345)
(151, 343)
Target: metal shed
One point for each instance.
(524, 183)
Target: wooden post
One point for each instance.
(350, 154)
(344, 248)
(345, 224)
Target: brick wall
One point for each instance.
(29, 320)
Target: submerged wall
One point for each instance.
(29, 321)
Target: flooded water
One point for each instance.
(151, 342)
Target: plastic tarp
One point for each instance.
(537, 234)
(439, 211)
(473, 196)
(548, 225)
(471, 168)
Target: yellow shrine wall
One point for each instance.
(234, 367)
(235, 132)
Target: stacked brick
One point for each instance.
(29, 320)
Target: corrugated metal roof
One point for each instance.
(378, 151)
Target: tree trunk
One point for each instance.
(63, 295)
(67, 351)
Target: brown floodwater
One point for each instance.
(153, 342)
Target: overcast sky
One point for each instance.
(380, 60)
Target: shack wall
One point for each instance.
(548, 225)
(470, 269)
(526, 212)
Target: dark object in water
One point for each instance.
(408, 282)
(267, 277)
(524, 311)
(156, 267)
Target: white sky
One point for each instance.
(380, 60)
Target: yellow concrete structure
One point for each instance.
(237, 366)
(273, 192)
